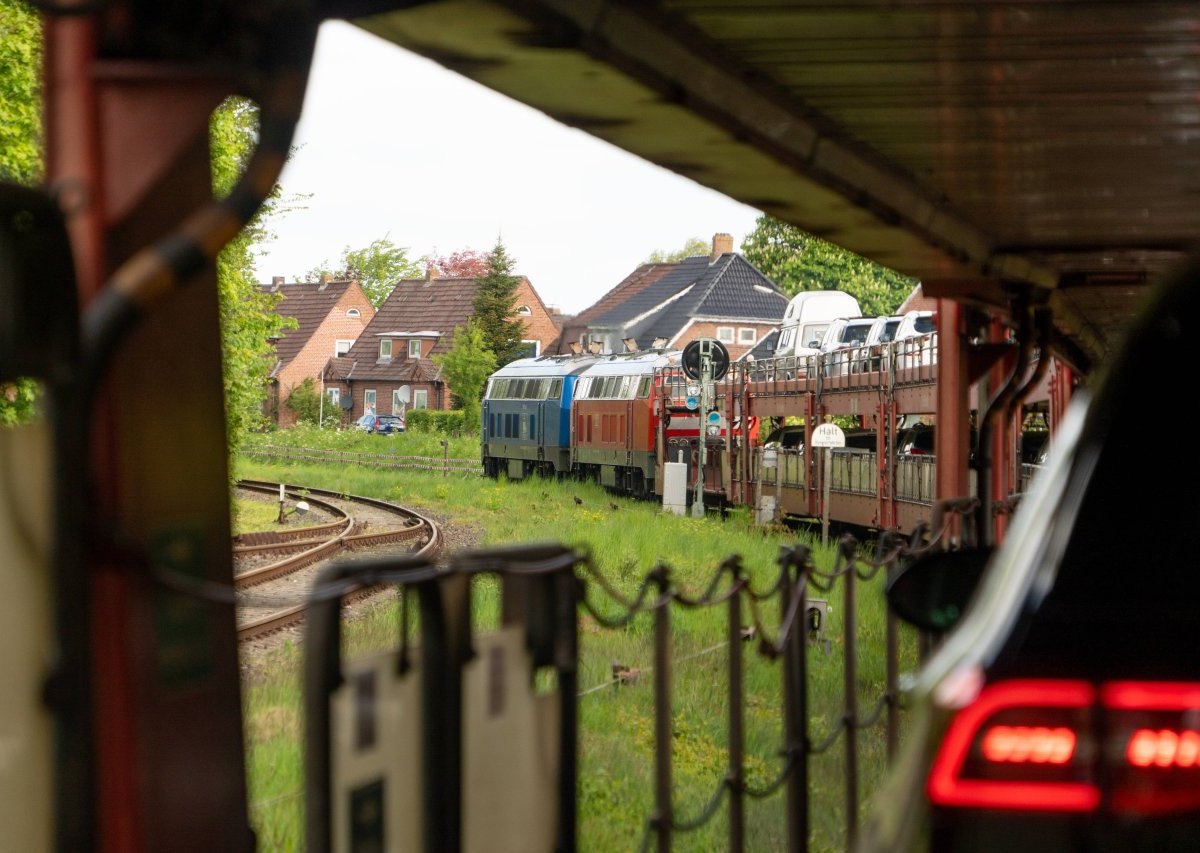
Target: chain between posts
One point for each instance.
(656, 593)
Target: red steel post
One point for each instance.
(953, 432)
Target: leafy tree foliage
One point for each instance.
(466, 368)
(305, 401)
(694, 246)
(376, 267)
(465, 263)
(495, 307)
(248, 320)
(20, 93)
(796, 261)
(20, 146)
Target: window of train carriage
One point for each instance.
(626, 387)
(644, 387)
(556, 387)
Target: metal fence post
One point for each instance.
(850, 686)
(664, 814)
(795, 695)
(737, 794)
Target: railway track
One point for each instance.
(287, 559)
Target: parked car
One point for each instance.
(1061, 708)
(381, 424)
(845, 336)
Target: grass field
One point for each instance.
(616, 748)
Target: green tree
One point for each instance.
(377, 268)
(694, 246)
(495, 307)
(248, 319)
(796, 261)
(20, 146)
(466, 367)
(305, 401)
(20, 93)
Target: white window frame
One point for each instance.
(338, 350)
(725, 334)
(385, 349)
(537, 347)
(398, 405)
(369, 400)
(335, 396)
(353, 312)
(524, 310)
(747, 335)
(420, 398)
(414, 348)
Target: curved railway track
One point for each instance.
(258, 554)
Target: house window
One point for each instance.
(369, 400)
(747, 336)
(421, 399)
(525, 311)
(725, 334)
(334, 395)
(353, 312)
(532, 349)
(414, 349)
(341, 347)
(398, 404)
(385, 349)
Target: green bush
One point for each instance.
(435, 421)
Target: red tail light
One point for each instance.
(1017, 747)
(1045, 745)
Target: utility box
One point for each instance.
(675, 487)
(766, 509)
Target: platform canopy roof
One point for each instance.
(976, 145)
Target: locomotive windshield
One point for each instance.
(509, 388)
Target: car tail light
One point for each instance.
(1019, 745)
(1058, 745)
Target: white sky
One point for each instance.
(394, 145)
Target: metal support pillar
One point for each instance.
(953, 433)
(127, 152)
(1062, 383)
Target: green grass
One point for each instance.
(253, 516)
(616, 748)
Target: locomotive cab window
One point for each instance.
(644, 387)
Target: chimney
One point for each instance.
(722, 245)
(326, 278)
(431, 272)
(276, 282)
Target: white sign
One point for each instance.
(828, 435)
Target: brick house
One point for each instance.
(390, 368)
(330, 315)
(720, 296)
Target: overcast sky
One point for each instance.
(394, 145)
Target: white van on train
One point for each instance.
(807, 318)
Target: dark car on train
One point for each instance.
(1061, 710)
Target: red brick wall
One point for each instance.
(316, 353)
(439, 397)
(706, 329)
(540, 325)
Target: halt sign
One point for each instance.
(828, 435)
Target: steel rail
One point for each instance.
(289, 616)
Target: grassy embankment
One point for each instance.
(616, 747)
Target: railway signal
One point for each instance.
(707, 360)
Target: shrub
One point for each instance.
(435, 421)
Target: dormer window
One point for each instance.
(353, 312)
(414, 349)
(385, 349)
(524, 310)
(341, 347)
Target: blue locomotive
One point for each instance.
(527, 415)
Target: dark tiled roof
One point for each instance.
(309, 303)
(417, 305)
(730, 288)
